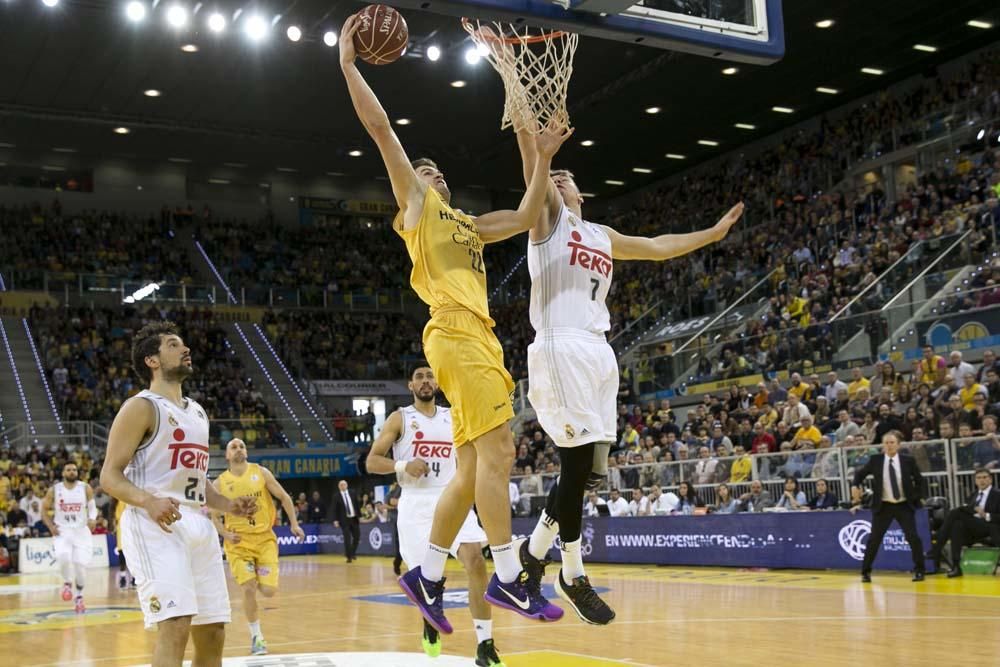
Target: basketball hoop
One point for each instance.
(535, 70)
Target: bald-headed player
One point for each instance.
(249, 542)
(446, 248)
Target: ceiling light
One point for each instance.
(179, 160)
(152, 92)
(729, 71)
(458, 84)
(403, 121)
(216, 22)
(330, 38)
(825, 23)
(615, 182)
(177, 16)
(255, 28)
(286, 170)
(980, 135)
(872, 70)
(218, 181)
(294, 33)
(237, 165)
(745, 126)
(472, 55)
(355, 153)
(587, 143)
(982, 25)
(50, 3)
(334, 173)
(135, 11)
(827, 91)
(46, 167)
(642, 170)
(652, 110)
(676, 156)
(4, 145)
(63, 150)
(587, 194)
(783, 109)
(122, 130)
(925, 48)
(708, 142)
(189, 48)
(433, 53)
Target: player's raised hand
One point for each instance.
(244, 506)
(731, 217)
(164, 511)
(347, 51)
(549, 140)
(417, 468)
(299, 534)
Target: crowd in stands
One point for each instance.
(785, 436)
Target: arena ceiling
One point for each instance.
(73, 73)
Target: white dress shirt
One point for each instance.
(887, 485)
(638, 508)
(348, 506)
(981, 499)
(618, 507)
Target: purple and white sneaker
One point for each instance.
(428, 596)
(519, 596)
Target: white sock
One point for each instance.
(572, 561)
(542, 536)
(484, 630)
(255, 630)
(433, 566)
(66, 570)
(506, 562)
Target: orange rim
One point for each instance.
(533, 39)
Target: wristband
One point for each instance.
(400, 467)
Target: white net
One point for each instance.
(535, 69)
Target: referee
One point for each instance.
(898, 493)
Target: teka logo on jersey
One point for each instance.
(188, 454)
(588, 258)
(430, 449)
(70, 508)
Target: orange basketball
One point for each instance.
(382, 35)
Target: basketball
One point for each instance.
(382, 36)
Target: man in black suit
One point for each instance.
(898, 490)
(978, 518)
(346, 513)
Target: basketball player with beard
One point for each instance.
(75, 514)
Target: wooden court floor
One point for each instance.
(666, 616)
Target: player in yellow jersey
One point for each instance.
(249, 542)
(125, 578)
(445, 246)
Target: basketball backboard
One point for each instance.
(750, 31)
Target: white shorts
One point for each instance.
(178, 573)
(73, 545)
(415, 518)
(573, 386)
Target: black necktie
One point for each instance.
(979, 499)
(893, 482)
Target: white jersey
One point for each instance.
(430, 439)
(173, 461)
(70, 505)
(570, 276)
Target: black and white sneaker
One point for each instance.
(534, 567)
(584, 600)
(487, 656)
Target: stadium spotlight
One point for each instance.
(50, 3)
(330, 38)
(255, 28)
(980, 135)
(472, 55)
(433, 53)
(294, 33)
(135, 11)
(177, 16)
(216, 22)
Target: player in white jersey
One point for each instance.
(572, 370)
(74, 516)
(157, 463)
(423, 458)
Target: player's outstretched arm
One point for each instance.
(405, 185)
(500, 225)
(134, 421)
(553, 200)
(667, 246)
(275, 488)
(242, 506)
(380, 464)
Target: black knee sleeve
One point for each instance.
(574, 470)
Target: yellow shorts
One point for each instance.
(467, 361)
(256, 556)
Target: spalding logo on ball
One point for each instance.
(382, 35)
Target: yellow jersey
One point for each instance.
(447, 255)
(968, 395)
(250, 483)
